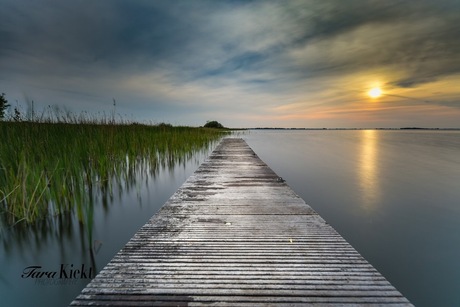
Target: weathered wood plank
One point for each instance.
(236, 234)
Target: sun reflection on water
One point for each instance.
(369, 169)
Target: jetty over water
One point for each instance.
(235, 234)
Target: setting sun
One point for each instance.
(375, 92)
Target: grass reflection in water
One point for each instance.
(60, 169)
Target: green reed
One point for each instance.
(52, 168)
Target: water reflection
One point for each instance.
(114, 209)
(369, 169)
(105, 189)
(401, 211)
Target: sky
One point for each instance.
(267, 63)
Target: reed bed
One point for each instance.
(52, 168)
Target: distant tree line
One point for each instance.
(3, 105)
(55, 114)
(213, 124)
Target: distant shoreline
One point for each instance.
(402, 128)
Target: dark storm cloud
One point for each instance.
(89, 32)
(183, 34)
(420, 38)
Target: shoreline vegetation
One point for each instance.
(48, 168)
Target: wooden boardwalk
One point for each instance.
(235, 234)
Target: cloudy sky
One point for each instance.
(288, 63)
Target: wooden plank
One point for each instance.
(236, 234)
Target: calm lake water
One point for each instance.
(55, 243)
(394, 195)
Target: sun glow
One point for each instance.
(375, 92)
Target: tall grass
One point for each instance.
(51, 168)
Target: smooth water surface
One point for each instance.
(394, 195)
(64, 242)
